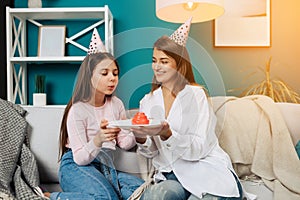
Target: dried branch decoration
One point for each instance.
(276, 89)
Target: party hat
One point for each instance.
(96, 44)
(181, 35)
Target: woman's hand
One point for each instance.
(105, 134)
(141, 132)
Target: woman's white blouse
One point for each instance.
(192, 152)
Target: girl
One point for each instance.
(86, 143)
(185, 151)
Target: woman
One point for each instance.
(185, 152)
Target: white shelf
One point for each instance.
(47, 59)
(59, 13)
(16, 32)
(46, 107)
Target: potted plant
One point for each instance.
(276, 89)
(39, 96)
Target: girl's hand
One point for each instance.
(141, 132)
(105, 134)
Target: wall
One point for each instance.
(235, 64)
(220, 69)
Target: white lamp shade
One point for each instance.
(178, 11)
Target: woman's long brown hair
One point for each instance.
(82, 92)
(184, 67)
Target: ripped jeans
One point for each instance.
(98, 180)
(171, 189)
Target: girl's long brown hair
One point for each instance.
(82, 92)
(184, 67)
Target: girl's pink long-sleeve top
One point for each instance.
(83, 124)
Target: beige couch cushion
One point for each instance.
(44, 125)
(291, 114)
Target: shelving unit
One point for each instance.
(16, 31)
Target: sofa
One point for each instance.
(44, 124)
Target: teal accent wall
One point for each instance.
(136, 28)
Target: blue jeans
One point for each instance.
(94, 181)
(171, 189)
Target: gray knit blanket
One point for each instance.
(18, 169)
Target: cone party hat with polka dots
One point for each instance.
(96, 44)
(181, 35)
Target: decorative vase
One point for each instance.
(34, 3)
(39, 99)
